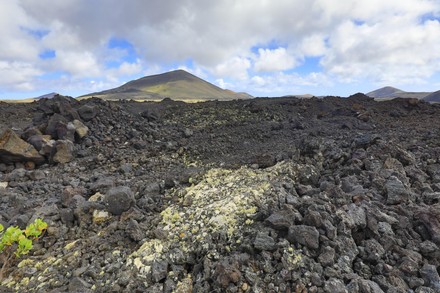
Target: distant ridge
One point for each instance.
(46, 96)
(385, 92)
(389, 92)
(177, 84)
(433, 97)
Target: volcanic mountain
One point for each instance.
(178, 85)
(433, 97)
(389, 92)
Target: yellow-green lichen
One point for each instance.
(223, 202)
(70, 245)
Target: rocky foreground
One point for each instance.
(262, 195)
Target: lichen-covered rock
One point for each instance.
(223, 203)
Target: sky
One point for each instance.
(262, 47)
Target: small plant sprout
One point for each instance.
(15, 242)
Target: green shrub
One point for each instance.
(16, 242)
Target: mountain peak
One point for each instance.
(385, 92)
(177, 84)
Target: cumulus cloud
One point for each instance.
(18, 75)
(234, 68)
(375, 41)
(274, 60)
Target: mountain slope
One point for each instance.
(389, 92)
(433, 97)
(385, 92)
(177, 84)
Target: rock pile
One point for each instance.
(56, 126)
(267, 195)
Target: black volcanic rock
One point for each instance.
(182, 203)
(14, 149)
(87, 112)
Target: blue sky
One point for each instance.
(265, 48)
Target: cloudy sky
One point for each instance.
(265, 48)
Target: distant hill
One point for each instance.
(46, 96)
(389, 92)
(304, 96)
(178, 84)
(433, 97)
(385, 92)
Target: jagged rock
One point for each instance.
(304, 235)
(427, 247)
(37, 141)
(14, 149)
(59, 104)
(374, 251)
(430, 218)
(231, 232)
(47, 147)
(335, 286)
(102, 184)
(87, 112)
(327, 257)
(119, 199)
(100, 217)
(63, 151)
(281, 220)
(30, 132)
(227, 273)
(78, 284)
(159, 270)
(364, 286)
(150, 115)
(66, 132)
(80, 129)
(430, 275)
(431, 197)
(57, 124)
(264, 242)
(358, 216)
(396, 191)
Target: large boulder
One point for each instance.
(61, 105)
(63, 151)
(119, 199)
(80, 129)
(38, 141)
(14, 149)
(87, 112)
(56, 125)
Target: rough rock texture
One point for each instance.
(14, 149)
(263, 195)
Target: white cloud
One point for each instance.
(17, 75)
(234, 68)
(378, 41)
(78, 64)
(274, 60)
(381, 52)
